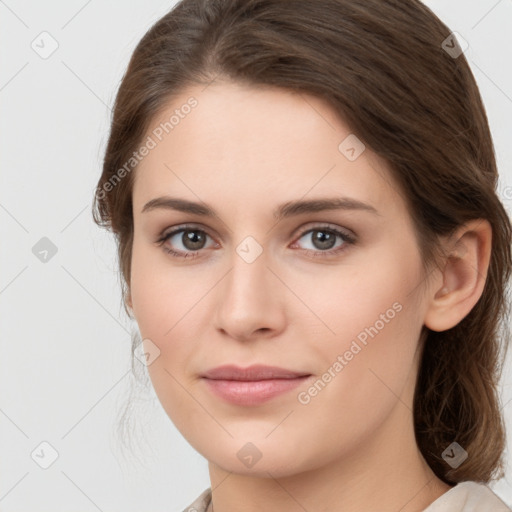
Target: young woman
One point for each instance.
(304, 199)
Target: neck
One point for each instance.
(384, 472)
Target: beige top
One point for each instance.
(463, 497)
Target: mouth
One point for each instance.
(253, 385)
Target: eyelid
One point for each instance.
(296, 233)
(182, 227)
(348, 236)
(325, 225)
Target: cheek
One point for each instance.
(146, 292)
(358, 298)
(169, 306)
(366, 367)
(162, 299)
(162, 294)
(371, 324)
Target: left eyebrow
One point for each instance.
(288, 209)
(316, 205)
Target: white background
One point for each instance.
(65, 354)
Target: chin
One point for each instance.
(277, 467)
(258, 459)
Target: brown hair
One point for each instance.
(384, 67)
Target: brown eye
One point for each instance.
(184, 242)
(323, 239)
(193, 240)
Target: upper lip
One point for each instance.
(254, 372)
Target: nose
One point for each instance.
(249, 300)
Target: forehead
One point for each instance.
(256, 147)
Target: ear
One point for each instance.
(461, 283)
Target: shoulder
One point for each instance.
(464, 497)
(201, 502)
(469, 496)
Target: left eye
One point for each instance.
(324, 240)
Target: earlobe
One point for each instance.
(462, 281)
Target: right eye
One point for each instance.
(186, 242)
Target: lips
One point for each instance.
(252, 373)
(253, 385)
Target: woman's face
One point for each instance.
(334, 295)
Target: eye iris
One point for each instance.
(191, 238)
(194, 240)
(323, 239)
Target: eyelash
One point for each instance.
(347, 239)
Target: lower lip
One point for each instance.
(252, 392)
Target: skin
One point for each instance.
(245, 150)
